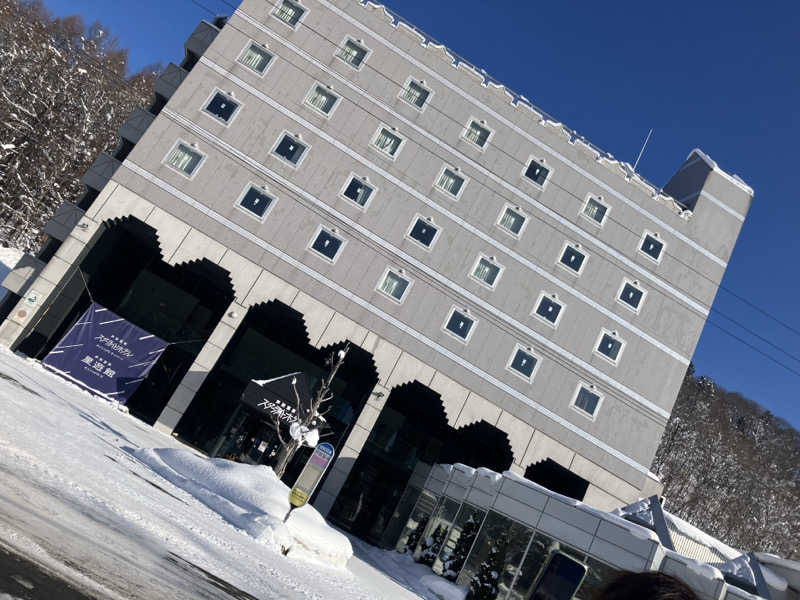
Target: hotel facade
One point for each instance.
(319, 172)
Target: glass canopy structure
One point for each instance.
(458, 520)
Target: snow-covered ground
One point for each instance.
(9, 257)
(123, 511)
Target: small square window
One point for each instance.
(652, 246)
(537, 172)
(595, 210)
(290, 149)
(322, 99)
(523, 362)
(459, 324)
(512, 220)
(387, 142)
(450, 182)
(587, 401)
(609, 346)
(222, 107)
(289, 12)
(477, 134)
(394, 285)
(486, 271)
(358, 191)
(423, 232)
(184, 159)
(549, 309)
(572, 258)
(256, 58)
(631, 295)
(353, 54)
(326, 244)
(415, 94)
(256, 201)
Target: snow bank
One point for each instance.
(252, 499)
(442, 588)
(9, 257)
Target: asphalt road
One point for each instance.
(25, 580)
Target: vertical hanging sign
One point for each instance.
(310, 475)
(105, 354)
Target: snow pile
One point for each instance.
(252, 499)
(442, 588)
(9, 257)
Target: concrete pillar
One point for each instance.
(352, 448)
(48, 283)
(202, 365)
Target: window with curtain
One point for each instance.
(573, 259)
(352, 53)
(587, 401)
(415, 94)
(289, 13)
(387, 142)
(358, 191)
(549, 309)
(652, 247)
(631, 295)
(459, 324)
(256, 58)
(523, 363)
(609, 346)
(450, 182)
(595, 210)
(184, 159)
(486, 271)
(537, 173)
(477, 134)
(322, 99)
(394, 285)
(512, 220)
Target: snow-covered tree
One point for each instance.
(455, 560)
(484, 585)
(430, 546)
(416, 534)
(731, 468)
(64, 93)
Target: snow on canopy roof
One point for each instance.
(785, 568)
(635, 530)
(690, 541)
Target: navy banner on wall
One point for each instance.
(106, 354)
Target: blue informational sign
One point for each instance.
(106, 354)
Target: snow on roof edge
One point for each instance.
(700, 536)
(732, 177)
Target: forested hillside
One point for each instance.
(732, 469)
(64, 92)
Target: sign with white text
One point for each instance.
(105, 354)
(311, 475)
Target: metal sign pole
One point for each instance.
(310, 477)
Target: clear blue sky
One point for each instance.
(721, 76)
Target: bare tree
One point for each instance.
(308, 418)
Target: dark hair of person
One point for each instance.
(649, 585)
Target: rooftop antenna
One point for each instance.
(638, 158)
